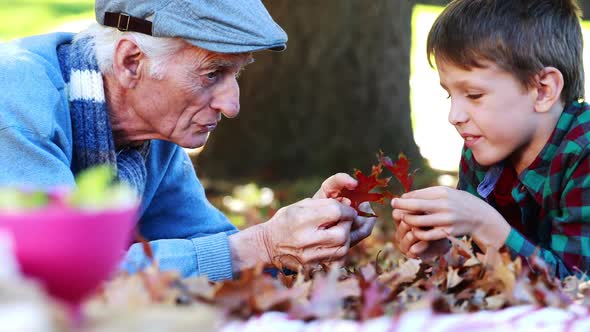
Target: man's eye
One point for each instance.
(475, 96)
(213, 75)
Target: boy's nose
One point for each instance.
(227, 99)
(457, 114)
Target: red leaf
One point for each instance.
(366, 184)
(362, 191)
(399, 169)
(373, 296)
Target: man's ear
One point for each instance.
(549, 88)
(128, 62)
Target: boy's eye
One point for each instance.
(474, 96)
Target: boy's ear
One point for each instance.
(128, 62)
(549, 88)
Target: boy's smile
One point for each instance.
(470, 140)
(495, 114)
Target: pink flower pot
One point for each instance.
(69, 251)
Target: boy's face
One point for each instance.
(493, 112)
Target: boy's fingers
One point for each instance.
(403, 227)
(428, 193)
(418, 248)
(398, 215)
(426, 220)
(434, 234)
(408, 240)
(414, 205)
(401, 231)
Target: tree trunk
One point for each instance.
(441, 3)
(329, 103)
(585, 6)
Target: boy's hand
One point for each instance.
(413, 247)
(437, 212)
(407, 243)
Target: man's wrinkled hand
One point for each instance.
(332, 188)
(307, 233)
(362, 226)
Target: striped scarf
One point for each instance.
(91, 127)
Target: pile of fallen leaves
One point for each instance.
(375, 280)
(459, 281)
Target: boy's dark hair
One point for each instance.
(520, 36)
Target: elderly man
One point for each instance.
(155, 76)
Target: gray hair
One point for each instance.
(104, 40)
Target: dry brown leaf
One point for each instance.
(378, 281)
(495, 302)
(406, 272)
(453, 278)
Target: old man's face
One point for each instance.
(197, 87)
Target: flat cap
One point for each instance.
(224, 26)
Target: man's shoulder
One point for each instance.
(33, 89)
(34, 56)
(41, 45)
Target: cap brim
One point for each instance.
(278, 48)
(234, 48)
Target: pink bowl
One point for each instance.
(69, 251)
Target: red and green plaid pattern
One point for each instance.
(553, 194)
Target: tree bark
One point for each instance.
(585, 6)
(434, 2)
(329, 103)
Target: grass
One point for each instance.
(28, 17)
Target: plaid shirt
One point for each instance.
(553, 194)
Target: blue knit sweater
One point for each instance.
(187, 232)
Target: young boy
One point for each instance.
(513, 71)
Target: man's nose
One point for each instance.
(227, 98)
(457, 114)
